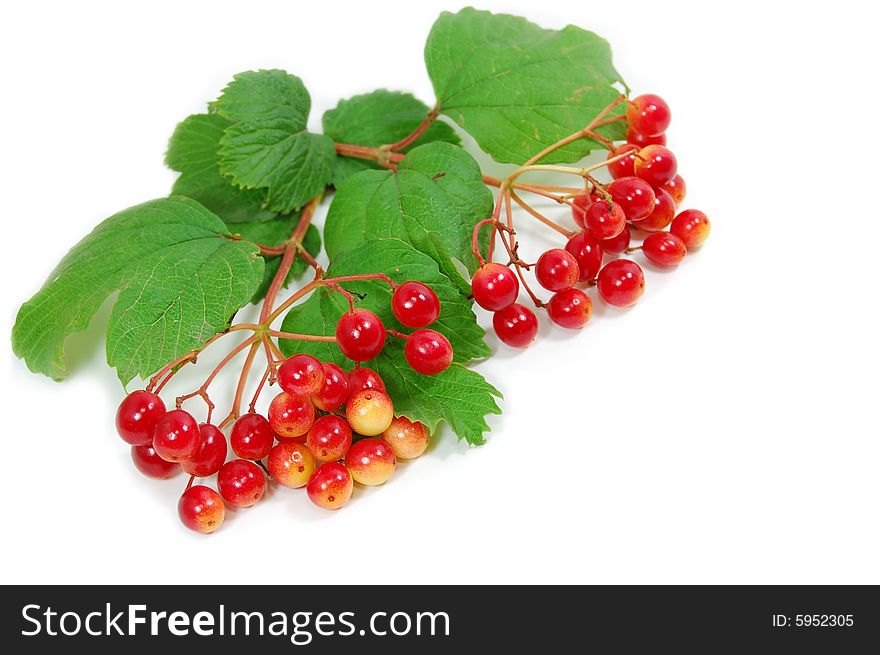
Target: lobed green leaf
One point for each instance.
(180, 280)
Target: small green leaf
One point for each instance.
(376, 119)
(432, 201)
(180, 280)
(517, 88)
(458, 395)
(193, 152)
(274, 233)
(267, 146)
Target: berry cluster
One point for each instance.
(324, 431)
(641, 200)
(360, 334)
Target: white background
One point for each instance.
(724, 430)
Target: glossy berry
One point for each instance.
(137, 416)
(640, 140)
(570, 308)
(360, 335)
(676, 188)
(407, 439)
(517, 325)
(604, 220)
(656, 165)
(150, 464)
(661, 215)
(176, 436)
(290, 417)
(241, 483)
(200, 508)
(335, 391)
(210, 455)
(330, 486)
(415, 304)
(329, 439)
(579, 205)
(361, 378)
(494, 286)
(301, 375)
(252, 436)
(691, 226)
(623, 167)
(664, 249)
(371, 461)
(428, 352)
(649, 115)
(369, 412)
(618, 244)
(557, 268)
(621, 283)
(588, 254)
(291, 464)
(635, 197)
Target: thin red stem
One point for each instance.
(416, 133)
(293, 336)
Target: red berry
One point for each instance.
(649, 115)
(635, 197)
(200, 508)
(621, 283)
(618, 244)
(335, 391)
(369, 412)
(291, 464)
(640, 140)
(330, 486)
(241, 483)
(415, 304)
(623, 167)
(691, 226)
(150, 464)
(176, 436)
(570, 308)
(664, 249)
(661, 216)
(588, 254)
(371, 461)
(428, 352)
(604, 220)
(494, 286)
(557, 269)
(137, 416)
(289, 417)
(361, 378)
(676, 188)
(656, 165)
(252, 436)
(301, 375)
(360, 335)
(516, 325)
(579, 205)
(408, 439)
(329, 439)
(210, 455)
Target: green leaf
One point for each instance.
(459, 395)
(180, 280)
(274, 233)
(517, 88)
(267, 146)
(376, 119)
(432, 201)
(193, 152)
